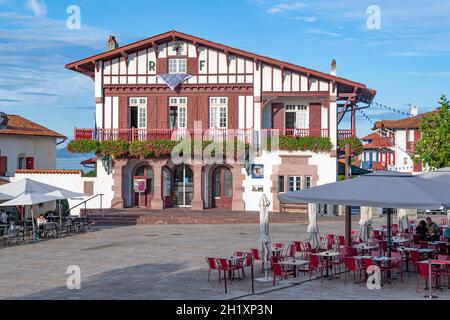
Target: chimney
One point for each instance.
(333, 68)
(112, 43)
(414, 111)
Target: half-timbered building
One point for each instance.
(160, 87)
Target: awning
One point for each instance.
(380, 189)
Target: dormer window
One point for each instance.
(177, 66)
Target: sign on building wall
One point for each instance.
(140, 185)
(257, 171)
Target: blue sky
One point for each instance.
(407, 61)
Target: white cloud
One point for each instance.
(279, 8)
(405, 54)
(39, 8)
(435, 74)
(324, 33)
(306, 19)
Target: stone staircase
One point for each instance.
(132, 217)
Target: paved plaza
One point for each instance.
(167, 262)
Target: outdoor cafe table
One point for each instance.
(365, 247)
(400, 241)
(437, 263)
(420, 250)
(295, 263)
(327, 255)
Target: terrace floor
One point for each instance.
(167, 262)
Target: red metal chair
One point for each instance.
(339, 261)
(307, 246)
(396, 264)
(377, 235)
(316, 265)
(279, 271)
(330, 241)
(278, 245)
(350, 266)
(225, 266)
(351, 252)
(257, 257)
(243, 263)
(341, 240)
(290, 251)
(212, 264)
(414, 259)
(423, 273)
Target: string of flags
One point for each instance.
(406, 114)
(366, 116)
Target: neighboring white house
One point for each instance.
(26, 145)
(401, 137)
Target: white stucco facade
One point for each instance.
(42, 149)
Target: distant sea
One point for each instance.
(70, 161)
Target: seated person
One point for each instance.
(433, 230)
(3, 217)
(41, 221)
(447, 233)
(422, 229)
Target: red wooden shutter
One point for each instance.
(152, 107)
(30, 163)
(161, 66)
(315, 119)
(3, 165)
(233, 112)
(123, 112)
(277, 116)
(192, 66)
(417, 135)
(163, 112)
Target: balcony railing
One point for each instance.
(131, 135)
(411, 147)
(246, 135)
(346, 133)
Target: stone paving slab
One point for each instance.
(164, 262)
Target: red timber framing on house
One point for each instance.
(259, 92)
(232, 93)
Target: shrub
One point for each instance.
(83, 146)
(315, 144)
(117, 149)
(355, 145)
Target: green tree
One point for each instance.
(433, 149)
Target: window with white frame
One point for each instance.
(308, 182)
(138, 113)
(294, 183)
(178, 108)
(177, 66)
(218, 113)
(297, 116)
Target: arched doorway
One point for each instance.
(183, 186)
(143, 180)
(222, 187)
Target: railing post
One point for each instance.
(101, 203)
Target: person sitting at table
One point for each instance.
(41, 221)
(3, 217)
(433, 230)
(447, 233)
(422, 229)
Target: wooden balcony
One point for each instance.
(411, 147)
(346, 133)
(246, 135)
